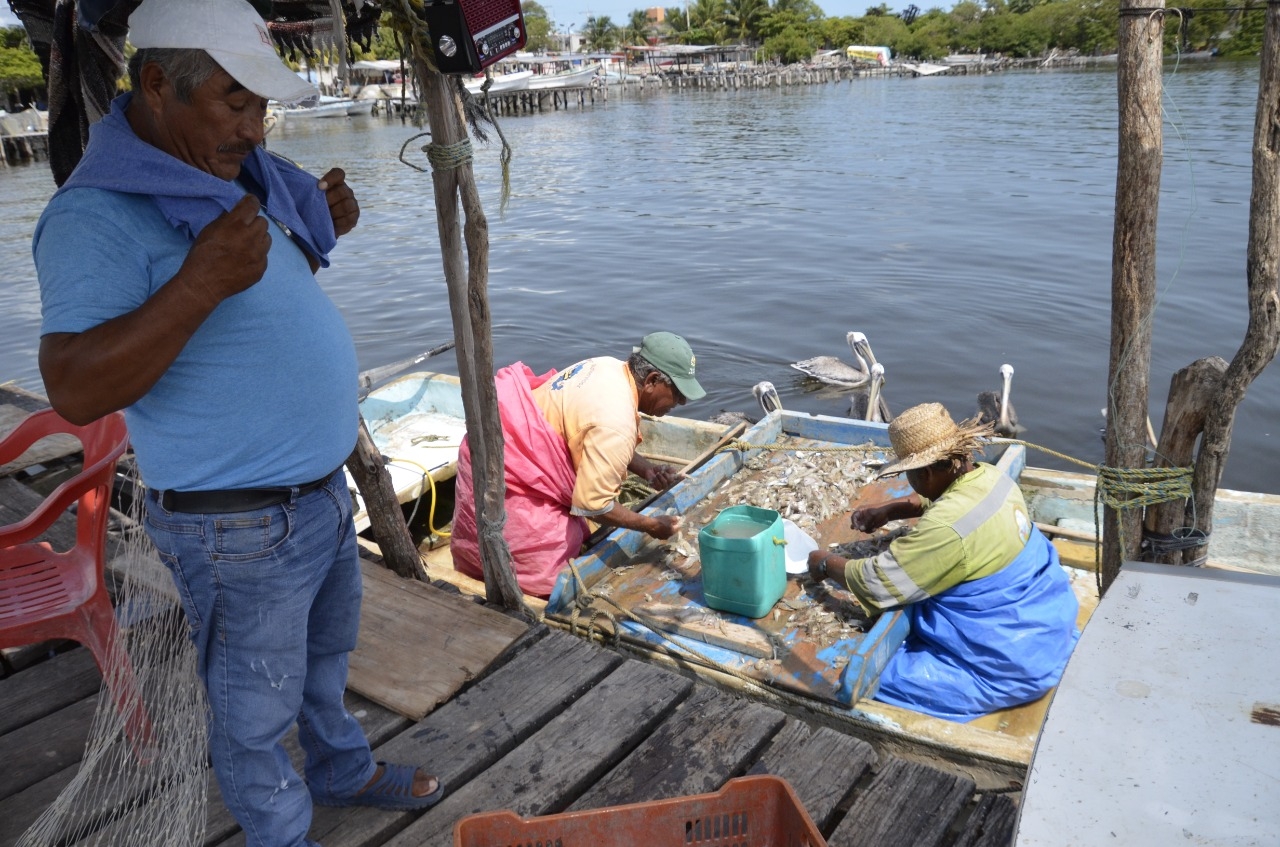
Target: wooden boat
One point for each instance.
(778, 657)
(417, 422)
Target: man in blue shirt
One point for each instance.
(176, 269)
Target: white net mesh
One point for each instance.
(144, 777)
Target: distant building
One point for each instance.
(656, 14)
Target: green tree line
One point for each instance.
(794, 30)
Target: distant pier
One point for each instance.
(24, 136)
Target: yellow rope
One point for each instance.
(431, 513)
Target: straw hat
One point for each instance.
(926, 434)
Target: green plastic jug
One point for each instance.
(743, 566)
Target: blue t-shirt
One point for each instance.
(263, 394)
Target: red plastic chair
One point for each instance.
(46, 594)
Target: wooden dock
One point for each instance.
(555, 724)
(509, 716)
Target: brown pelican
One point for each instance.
(870, 405)
(994, 407)
(765, 394)
(833, 371)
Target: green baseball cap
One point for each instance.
(671, 354)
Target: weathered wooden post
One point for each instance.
(1191, 391)
(1133, 263)
(1262, 336)
(467, 278)
(380, 504)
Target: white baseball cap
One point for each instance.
(231, 32)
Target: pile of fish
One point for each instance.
(805, 486)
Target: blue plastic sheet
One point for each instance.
(988, 644)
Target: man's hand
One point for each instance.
(342, 201)
(230, 254)
(869, 518)
(663, 477)
(664, 526)
(818, 565)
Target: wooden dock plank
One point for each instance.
(12, 412)
(481, 725)
(907, 805)
(709, 738)
(557, 763)
(19, 811)
(991, 824)
(822, 766)
(45, 747)
(44, 688)
(17, 501)
(418, 644)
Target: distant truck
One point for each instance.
(879, 55)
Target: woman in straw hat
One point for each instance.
(992, 613)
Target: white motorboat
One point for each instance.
(925, 68)
(576, 78)
(328, 107)
(502, 83)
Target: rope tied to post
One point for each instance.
(446, 157)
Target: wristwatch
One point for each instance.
(825, 572)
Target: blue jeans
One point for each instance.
(272, 597)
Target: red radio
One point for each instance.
(470, 35)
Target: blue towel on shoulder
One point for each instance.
(115, 159)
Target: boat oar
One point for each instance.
(690, 466)
(368, 379)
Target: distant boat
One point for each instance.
(578, 78)
(502, 83)
(328, 107)
(615, 76)
(925, 69)
(360, 107)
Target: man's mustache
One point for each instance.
(242, 149)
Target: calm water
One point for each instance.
(959, 222)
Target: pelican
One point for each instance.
(870, 405)
(833, 371)
(767, 396)
(994, 407)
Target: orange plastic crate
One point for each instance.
(752, 811)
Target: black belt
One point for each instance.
(233, 499)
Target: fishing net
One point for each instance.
(141, 782)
